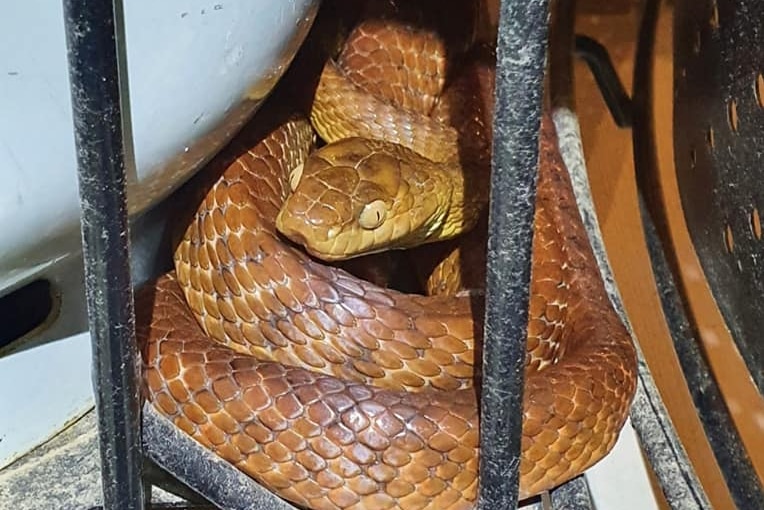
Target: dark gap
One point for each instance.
(24, 309)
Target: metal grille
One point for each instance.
(95, 39)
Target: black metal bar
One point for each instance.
(155, 475)
(573, 495)
(645, 153)
(613, 92)
(201, 470)
(521, 52)
(662, 447)
(95, 87)
(730, 453)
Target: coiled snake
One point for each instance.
(334, 392)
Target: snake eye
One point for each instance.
(372, 215)
(295, 175)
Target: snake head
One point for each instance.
(359, 196)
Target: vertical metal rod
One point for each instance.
(572, 495)
(94, 73)
(521, 58)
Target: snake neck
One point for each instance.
(469, 197)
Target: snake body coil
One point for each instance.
(336, 393)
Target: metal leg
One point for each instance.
(202, 471)
(573, 495)
(523, 28)
(95, 84)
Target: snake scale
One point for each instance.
(337, 393)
